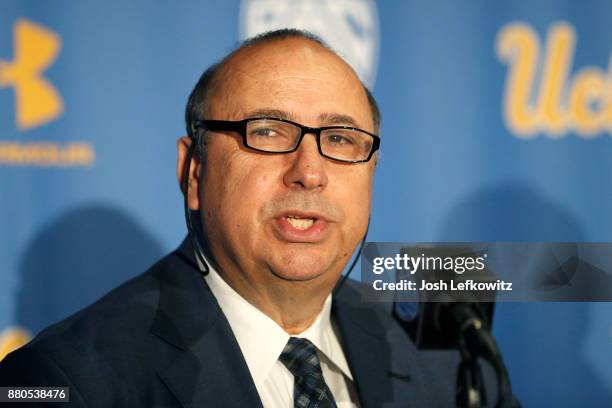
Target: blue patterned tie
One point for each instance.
(309, 390)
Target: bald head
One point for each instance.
(253, 56)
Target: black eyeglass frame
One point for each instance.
(240, 127)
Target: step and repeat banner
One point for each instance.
(497, 125)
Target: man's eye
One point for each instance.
(264, 132)
(339, 140)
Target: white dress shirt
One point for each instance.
(262, 340)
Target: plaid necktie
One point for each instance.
(310, 389)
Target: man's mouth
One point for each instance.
(302, 227)
(300, 223)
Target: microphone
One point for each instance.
(464, 326)
(458, 320)
(437, 325)
(466, 323)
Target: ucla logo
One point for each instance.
(348, 26)
(36, 100)
(541, 96)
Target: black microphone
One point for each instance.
(438, 325)
(459, 320)
(467, 323)
(459, 325)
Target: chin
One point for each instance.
(301, 267)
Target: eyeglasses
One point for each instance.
(271, 135)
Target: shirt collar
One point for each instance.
(262, 340)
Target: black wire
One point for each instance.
(357, 255)
(504, 390)
(195, 242)
(493, 356)
(481, 343)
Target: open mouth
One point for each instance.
(294, 226)
(300, 223)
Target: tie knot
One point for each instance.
(300, 357)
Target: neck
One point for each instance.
(293, 305)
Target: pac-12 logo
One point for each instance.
(36, 100)
(350, 27)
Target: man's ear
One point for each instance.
(183, 145)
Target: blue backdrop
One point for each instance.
(497, 119)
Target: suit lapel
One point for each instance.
(384, 363)
(367, 356)
(209, 366)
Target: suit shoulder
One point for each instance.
(93, 350)
(119, 316)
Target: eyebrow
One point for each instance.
(326, 118)
(338, 119)
(272, 113)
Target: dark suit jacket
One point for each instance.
(161, 340)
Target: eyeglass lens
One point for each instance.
(276, 136)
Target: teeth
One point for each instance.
(300, 223)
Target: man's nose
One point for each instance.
(307, 167)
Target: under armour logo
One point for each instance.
(36, 99)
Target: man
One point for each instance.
(281, 178)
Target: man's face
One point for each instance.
(296, 216)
